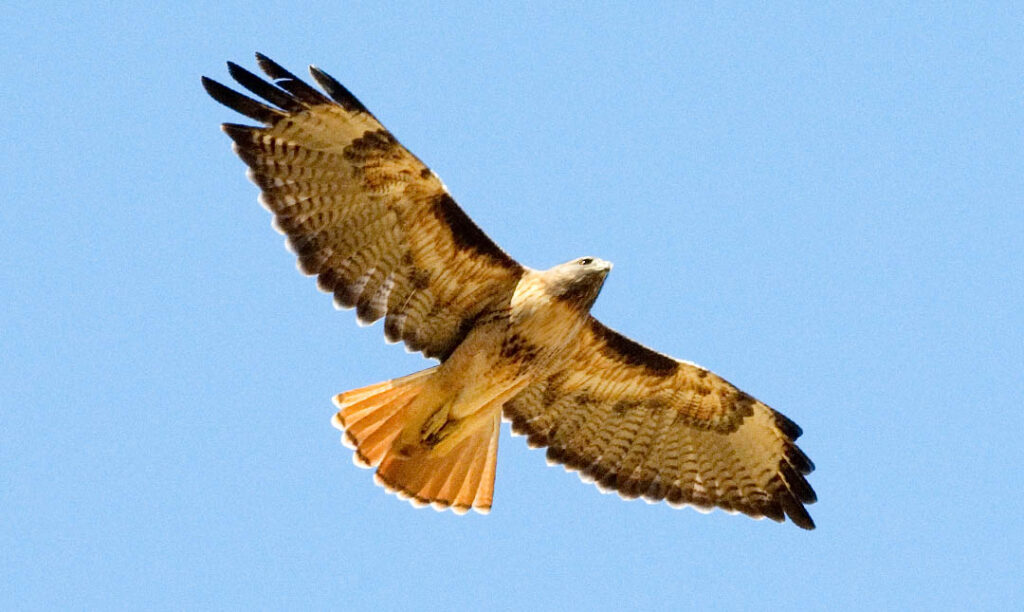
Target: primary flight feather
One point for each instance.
(380, 231)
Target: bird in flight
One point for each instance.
(380, 232)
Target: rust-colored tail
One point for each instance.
(460, 477)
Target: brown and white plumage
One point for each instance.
(381, 232)
(650, 426)
(371, 221)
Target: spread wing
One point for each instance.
(363, 214)
(644, 424)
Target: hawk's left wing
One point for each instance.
(644, 424)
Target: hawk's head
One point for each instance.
(578, 281)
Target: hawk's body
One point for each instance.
(382, 234)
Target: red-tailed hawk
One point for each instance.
(380, 231)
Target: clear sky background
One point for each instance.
(823, 204)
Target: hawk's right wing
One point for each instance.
(363, 214)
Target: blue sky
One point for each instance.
(822, 204)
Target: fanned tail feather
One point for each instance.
(461, 479)
(373, 417)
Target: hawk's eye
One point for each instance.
(586, 261)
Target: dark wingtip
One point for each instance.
(797, 484)
(799, 460)
(207, 83)
(787, 426)
(239, 103)
(261, 58)
(801, 518)
(261, 88)
(796, 511)
(240, 134)
(338, 92)
(272, 68)
(289, 82)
